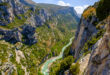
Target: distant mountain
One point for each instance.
(28, 2)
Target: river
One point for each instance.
(45, 67)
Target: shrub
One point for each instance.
(75, 69)
(89, 12)
(103, 9)
(20, 70)
(67, 51)
(0, 73)
(65, 64)
(5, 4)
(61, 66)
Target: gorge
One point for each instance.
(49, 39)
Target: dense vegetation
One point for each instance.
(60, 66)
(103, 9)
(89, 12)
(75, 69)
(4, 4)
(67, 51)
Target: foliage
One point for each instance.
(13, 57)
(75, 69)
(61, 65)
(0, 73)
(67, 51)
(3, 52)
(103, 9)
(89, 12)
(20, 70)
(4, 4)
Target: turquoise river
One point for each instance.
(45, 67)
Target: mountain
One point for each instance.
(28, 2)
(31, 33)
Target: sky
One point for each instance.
(79, 5)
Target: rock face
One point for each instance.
(12, 36)
(29, 35)
(85, 30)
(99, 63)
(8, 68)
(26, 35)
(9, 9)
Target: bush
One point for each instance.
(20, 70)
(61, 66)
(0, 73)
(5, 4)
(75, 69)
(67, 51)
(103, 9)
(89, 12)
(65, 64)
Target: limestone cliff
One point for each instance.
(99, 63)
(93, 37)
(85, 30)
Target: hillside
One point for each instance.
(31, 33)
(92, 40)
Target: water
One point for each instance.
(45, 69)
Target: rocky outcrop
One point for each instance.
(11, 36)
(99, 63)
(9, 9)
(7, 68)
(90, 27)
(29, 35)
(26, 35)
(84, 31)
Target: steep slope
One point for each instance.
(85, 30)
(31, 34)
(100, 56)
(92, 38)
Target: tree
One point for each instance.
(103, 9)
(74, 69)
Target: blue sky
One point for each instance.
(79, 5)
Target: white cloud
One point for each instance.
(62, 3)
(80, 9)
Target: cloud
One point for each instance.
(62, 3)
(80, 9)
